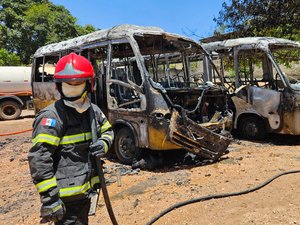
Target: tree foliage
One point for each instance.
(26, 25)
(277, 18)
(8, 59)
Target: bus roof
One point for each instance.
(257, 42)
(116, 32)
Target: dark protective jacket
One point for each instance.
(59, 159)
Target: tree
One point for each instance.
(84, 30)
(26, 25)
(43, 24)
(8, 59)
(278, 18)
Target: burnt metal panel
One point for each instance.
(195, 138)
(260, 101)
(44, 93)
(159, 122)
(93, 39)
(137, 121)
(291, 124)
(247, 42)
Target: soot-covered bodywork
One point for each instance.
(150, 85)
(262, 75)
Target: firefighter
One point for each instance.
(61, 159)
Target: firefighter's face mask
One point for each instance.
(75, 90)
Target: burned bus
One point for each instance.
(262, 75)
(149, 84)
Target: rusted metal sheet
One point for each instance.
(137, 122)
(291, 123)
(44, 94)
(195, 138)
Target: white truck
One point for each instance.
(15, 91)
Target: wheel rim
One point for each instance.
(251, 129)
(126, 147)
(9, 110)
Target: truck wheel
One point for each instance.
(252, 127)
(10, 110)
(125, 146)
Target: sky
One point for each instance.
(192, 18)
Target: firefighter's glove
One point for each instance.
(53, 212)
(98, 148)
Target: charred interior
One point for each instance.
(180, 67)
(202, 103)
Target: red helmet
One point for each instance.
(73, 67)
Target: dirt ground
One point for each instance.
(141, 195)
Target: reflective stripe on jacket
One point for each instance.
(59, 157)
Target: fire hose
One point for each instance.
(100, 168)
(216, 196)
(16, 132)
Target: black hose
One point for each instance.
(208, 197)
(100, 168)
(105, 192)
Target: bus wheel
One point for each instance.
(252, 127)
(10, 110)
(125, 146)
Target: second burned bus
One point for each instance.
(262, 75)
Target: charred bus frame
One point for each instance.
(148, 83)
(263, 76)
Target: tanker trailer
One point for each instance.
(15, 91)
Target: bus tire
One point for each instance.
(252, 128)
(10, 110)
(125, 146)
